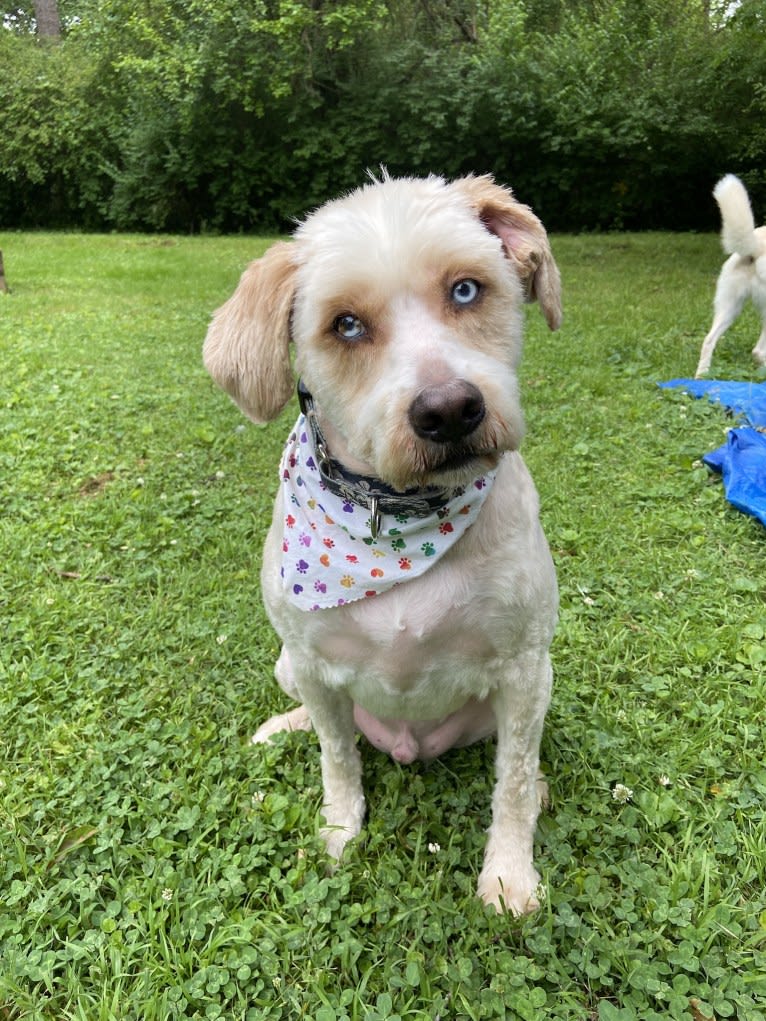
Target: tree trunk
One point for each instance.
(4, 288)
(48, 20)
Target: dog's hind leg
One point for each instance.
(721, 323)
(731, 292)
(759, 351)
(296, 719)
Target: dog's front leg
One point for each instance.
(508, 879)
(332, 713)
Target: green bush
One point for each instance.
(228, 116)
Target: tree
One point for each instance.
(47, 19)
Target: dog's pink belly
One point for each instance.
(405, 741)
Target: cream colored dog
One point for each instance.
(743, 275)
(405, 570)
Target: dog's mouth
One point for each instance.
(449, 466)
(465, 461)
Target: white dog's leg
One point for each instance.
(508, 879)
(296, 719)
(731, 291)
(332, 714)
(721, 323)
(759, 351)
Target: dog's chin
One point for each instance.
(455, 467)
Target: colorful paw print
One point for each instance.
(398, 544)
(377, 572)
(347, 581)
(428, 549)
(405, 563)
(446, 527)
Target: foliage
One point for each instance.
(232, 116)
(154, 865)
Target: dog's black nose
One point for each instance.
(447, 412)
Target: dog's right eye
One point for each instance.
(348, 327)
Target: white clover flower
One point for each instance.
(622, 793)
(167, 894)
(434, 848)
(221, 639)
(664, 781)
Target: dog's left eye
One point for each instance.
(465, 292)
(348, 327)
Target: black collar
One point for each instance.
(365, 490)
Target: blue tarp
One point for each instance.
(742, 459)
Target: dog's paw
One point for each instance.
(510, 892)
(341, 827)
(336, 838)
(296, 719)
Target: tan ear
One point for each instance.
(524, 240)
(246, 349)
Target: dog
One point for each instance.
(743, 275)
(405, 570)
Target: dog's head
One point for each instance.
(404, 303)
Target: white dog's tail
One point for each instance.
(738, 226)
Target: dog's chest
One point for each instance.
(423, 648)
(409, 634)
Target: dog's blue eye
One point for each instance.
(348, 327)
(465, 292)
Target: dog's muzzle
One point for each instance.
(372, 493)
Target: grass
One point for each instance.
(154, 865)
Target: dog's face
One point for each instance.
(404, 303)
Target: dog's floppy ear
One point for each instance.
(524, 240)
(246, 350)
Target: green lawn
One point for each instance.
(155, 865)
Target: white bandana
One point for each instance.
(328, 554)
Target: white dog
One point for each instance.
(743, 275)
(405, 570)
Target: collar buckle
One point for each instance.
(375, 517)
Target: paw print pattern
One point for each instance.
(329, 557)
